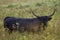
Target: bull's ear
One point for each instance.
(34, 13)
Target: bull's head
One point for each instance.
(45, 18)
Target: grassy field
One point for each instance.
(21, 9)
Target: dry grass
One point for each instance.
(52, 32)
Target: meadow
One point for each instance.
(21, 9)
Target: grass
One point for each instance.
(21, 9)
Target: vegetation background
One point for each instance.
(21, 9)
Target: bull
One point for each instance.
(34, 24)
(27, 24)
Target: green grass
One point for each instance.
(21, 9)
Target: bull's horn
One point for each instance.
(53, 13)
(33, 13)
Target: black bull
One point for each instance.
(28, 24)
